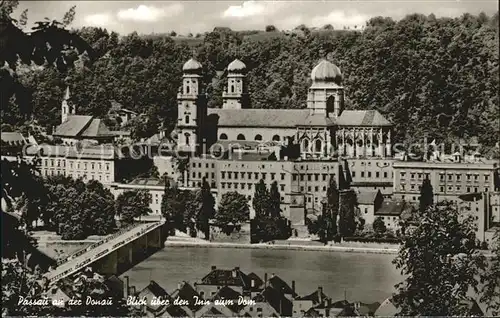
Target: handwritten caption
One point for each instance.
(134, 301)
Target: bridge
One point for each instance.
(115, 254)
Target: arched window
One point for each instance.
(258, 137)
(305, 145)
(187, 119)
(276, 138)
(187, 89)
(240, 137)
(187, 138)
(223, 137)
(318, 145)
(232, 88)
(330, 104)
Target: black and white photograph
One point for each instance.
(251, 158)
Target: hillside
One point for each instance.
(433, 77)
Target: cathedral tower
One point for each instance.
(67, 106)
(192, 110)
(326, 94)
(235, 95)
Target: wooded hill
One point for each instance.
(432, 77)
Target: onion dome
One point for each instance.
(326, 72)
(236, 66)
(192, 66)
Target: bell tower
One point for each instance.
(192, 110)
(235, 95)
(326, 94)
(67, 106)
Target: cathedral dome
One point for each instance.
(192, 66)
(326, 72)
(236, 66)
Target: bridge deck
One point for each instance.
(88, 257)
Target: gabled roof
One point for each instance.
(187, 292)
(276, 299)
(277, 283)
(317, 120)
(82, 126)
(258, 281)
(393, 208)
(362, 118)
(155, 289)
(317, 297)
(367, 197)
(230, 294)
(283, 118)
(226, 277)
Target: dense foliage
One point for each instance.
(132, 204)
(491, 279)
(325, 226)
(347, 223)
(430, 76)
(426, 198)
(233, 208)
(440, 263)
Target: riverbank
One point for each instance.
(281, 246)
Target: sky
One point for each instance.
(185, 17)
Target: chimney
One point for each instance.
(320, 294)
(132, 290)
(179, 285)
(252, 283)
(272, 275)
(235, 272)
(214, 267)
(293, 286)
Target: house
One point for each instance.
(218, 278)
(277, 299)
(316, 299)
(227, 293)
(121, 114)
(390, 212)
(12, 143)
(364, 309)
(368, 203)
(150, 292)
(279, 284)
(259, 309)
(256, 284)
(212, 310)
(187, 292)
(83, 128)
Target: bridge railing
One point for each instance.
(100, 254)
(96, 244)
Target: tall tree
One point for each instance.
(333, 197)
(274, 201)
(132, 204)
(426, 195)
(440, 264)
(207, 209)
(260, 200)
(490, 293)
(347, 215)
(233, 208)
(379, 226)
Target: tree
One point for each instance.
(271, 28)
(426, 198)
(327, 27)
(233, 208)
(274, 201)
(332, 195)
(132, 204)
(260, 200)
(379, 226)
(173, 34)
(347, 217)
(440, 263)
(490, 278)
(207, 208)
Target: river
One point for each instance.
(363, 277)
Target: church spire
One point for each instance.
(67, 95)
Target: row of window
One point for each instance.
(324, 176)
(234, 175)
(257, 137)
(85, 177)
(194, 164)
(442, 176)
(369, 174)
(86, 165)
(243, 186)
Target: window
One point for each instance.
(362, 174)
(282, 176)
(309, 177)
(240, 137)
(366, 210)
(450, 177)
(186, 119)
(458, 177)
(377, 174)
(223, 137)
(187, 139)
(276, 138)
(318, 145)
(232, 88)
(486, 177)
(353, 174)
(258, 137)
(369, 174)
(402, 175)
(282, 187)
(316, 176)
(441, 189)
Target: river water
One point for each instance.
(362, 277)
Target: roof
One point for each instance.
(391, 208)
(367, 197)
(229, 277)
(279, 284)
(326, 71)
(149, 181)
(13, 138)
(258, 281)
(276, 299)
(192, 65)
(155, 289)
(105, 152)
(362, 118)
(284, 118)
(317, 120)
(187, 292)
(230, 294)
(315, 297)
(82, 126)
(236, 65)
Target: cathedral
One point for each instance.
(323, 129)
